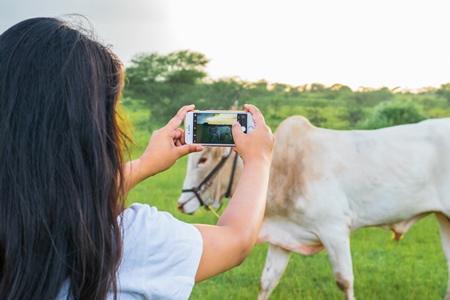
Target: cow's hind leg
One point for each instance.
(444, 229)
(276, 262)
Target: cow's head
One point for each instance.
(210, 175)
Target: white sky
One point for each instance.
(353, 42)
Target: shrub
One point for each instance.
(391, 113)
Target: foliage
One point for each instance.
(317, 88)
(184, 67)
(444, 91)
(167, 82)
(219, 94)
(391, 113)
(372, 97)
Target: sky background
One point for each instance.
(352, 42)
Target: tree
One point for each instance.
(219, 94)
(185, 67)
(444, 91)
(372, 97)
(317, 88)
(165, 82)
(337, 90)
(315, 117)
(353, 113)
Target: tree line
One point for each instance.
(163, 83)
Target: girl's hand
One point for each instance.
(167, 145)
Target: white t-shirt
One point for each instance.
(161, 256)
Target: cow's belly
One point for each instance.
(379, 188)
(289, 235)
(393, 207)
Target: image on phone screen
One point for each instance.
(215, 128)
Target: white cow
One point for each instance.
(325, 184)
(218, 131)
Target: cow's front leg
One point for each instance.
(337, 246)
(276, 261)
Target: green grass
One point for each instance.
(414, 268)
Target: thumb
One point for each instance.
(237, 131)
(188, 148)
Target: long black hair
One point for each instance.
(60, 162)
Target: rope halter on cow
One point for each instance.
(207, 182)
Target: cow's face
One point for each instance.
(212, 130)
(200, 165)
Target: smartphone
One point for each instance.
(213, 128)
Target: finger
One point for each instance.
(258, 118)
(182, 138)
(178, 136)
(188, 148)
(176, 121)
(236, 130)
(177, 133)
(253, 110)
(178, 143)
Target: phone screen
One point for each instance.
(215, 128)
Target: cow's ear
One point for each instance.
(236, 102)
(216, 152)
(226, 151)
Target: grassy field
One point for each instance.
(414, 268)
